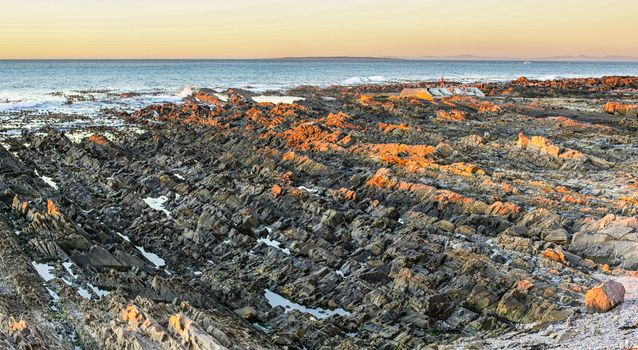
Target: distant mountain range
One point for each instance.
(336, 58)
(591, 58)
(550, 58)
(472, 58)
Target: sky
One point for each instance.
(284, 28)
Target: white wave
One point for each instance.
(221, 96)
(364, 80)
(186, 91)
(159, 99)
(547, 77)
(22, 105)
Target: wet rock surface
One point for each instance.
(351, 219)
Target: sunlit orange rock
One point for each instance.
(628, 110)
(422, 94)
(523, 141)
(295, 192)
(364, 100)
(381, 179)
(542, 145)
(454, 115)
(53, 209)
(555, 255)
(339, 120)
(21, 207)
(410, 156)
(207, 96)
(480, 106)
(605, 297)
(463, 169)
(99, 139)
(605, 268)
(277, 190)
(388, 128)
(138, 321)
(345, 194)
(256, 115)
(133, 316)
(191, 335)
(18, 326)
(288, 156)
(522, 81)
(287, 110)
(237, 99)
(525, 284)
(503, 209)
(313, 136)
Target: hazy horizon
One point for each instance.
(199, 29)
(460, 57)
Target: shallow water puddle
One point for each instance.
(67, 266)
(82, 291)
(100, 292)
(44, 270)
(49, 182)
(308, 189)
(124, 237)
(275, 300)
(53, 294)
(76, 136)
(273, 243)
(158, 204)
(152, 257)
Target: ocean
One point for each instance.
(43, 85)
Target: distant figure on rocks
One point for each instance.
(442, 81)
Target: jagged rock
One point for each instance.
(377, 224)
(605, 297)
(612, 240)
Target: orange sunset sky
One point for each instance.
(278, 28)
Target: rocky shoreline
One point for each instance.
(351, 219)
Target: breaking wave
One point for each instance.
(364, 80)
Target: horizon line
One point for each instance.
(572, 58)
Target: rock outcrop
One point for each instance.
(352, 219)
(605, 297)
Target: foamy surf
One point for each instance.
(186, 92)
(364, 80)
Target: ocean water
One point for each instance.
(43, 85)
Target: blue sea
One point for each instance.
(43, 85)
